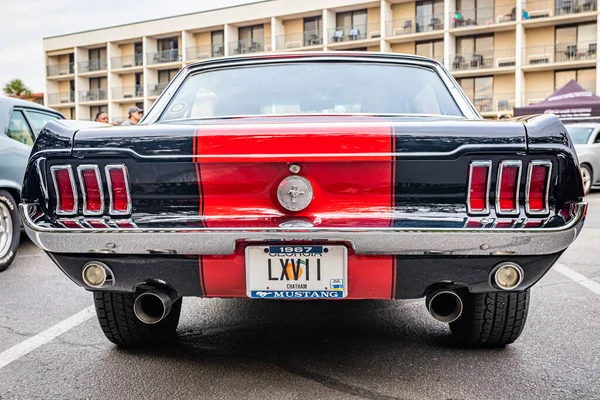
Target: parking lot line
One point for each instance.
(578, 278)
(27, 346)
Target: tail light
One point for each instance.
(479, 187)
(118, 189)
(538, 185)
(91, 189)
(66, 194)
(507, 189)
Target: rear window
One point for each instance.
(312, 88)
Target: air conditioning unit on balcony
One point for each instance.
(293, 45)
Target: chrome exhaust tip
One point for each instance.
(153, 306)
(507, 276)
(444, 305)
(96, 274)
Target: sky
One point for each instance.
(24, 23)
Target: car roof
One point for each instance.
(12, 102)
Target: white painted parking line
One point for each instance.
(27, 346)
(577, 277)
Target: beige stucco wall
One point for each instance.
(127, 49)
(406, 48)
(293, 26)
(505, 40)
(63, 59)
(128, 80)
(373, 15)
(267, 30)
(539, 81)
(403, 11)
(547, 5)
(202, 39)
(504, 84)
(373, 48)
(64, 87)
(66, 112)
(504, 6)
(539, 36)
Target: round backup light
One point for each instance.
(508, 276)
(96, 274)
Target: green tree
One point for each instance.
(16, 88)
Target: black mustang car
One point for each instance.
(308, 176)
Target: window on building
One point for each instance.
(313, 25)
(585, 77)
(167, 75)
(138, 53)
(480, 90)
(254, 33)
(429, 15)
(97, 54)
(72, 113)
(98, 83)
(168, 44)
(19, 130)
(352, 19)
(217, 40)
(575, 42)
(432, 49)
(467, 46)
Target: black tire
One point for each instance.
(491, 319)
(122, 327)
(10, 215)
(590, 173)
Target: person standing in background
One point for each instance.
(135, 115)
(102, 116)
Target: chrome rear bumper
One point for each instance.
(221, 241)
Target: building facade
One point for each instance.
(504, 53)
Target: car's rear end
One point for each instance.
(387, 190)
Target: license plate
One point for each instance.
(296, 272)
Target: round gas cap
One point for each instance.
(295, 193)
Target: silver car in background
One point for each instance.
(586, 137)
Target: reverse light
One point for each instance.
(479, 187)
(507, 189)
(538, 185)
(118, 189)
(91, 189)
(66, 194)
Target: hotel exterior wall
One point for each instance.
(284, 17)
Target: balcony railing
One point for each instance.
(162, 57)
(250, 46)
(483, 16)
(300, 39)
(560, 52)
(127, 92)
(130, 61)
(155, 89)
(91, 65)
(550, 8)
(415, 25)
(497, 103)
(207, 51)
(92, 95)
(355, 32)
(61, 98)
(483, 59)
(61, 69)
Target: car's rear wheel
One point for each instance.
(10, 229)
(121, 326)
(491, 319)
(587, 175)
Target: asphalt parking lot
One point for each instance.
(52, 348)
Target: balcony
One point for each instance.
(155, 89)
(558, 53)
(413, 25)
(355, 32)
(545, 9)
(250, 46)
(298, 40)
(127, 92)
(483, 16)
(130, 61)
(61, 69)
(91, 66)
(495, 103)
(61, 98)
(483, 59)
(92, 95)
(204, 52)
(163, 57)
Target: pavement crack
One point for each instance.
(15, 332)
(333, 383)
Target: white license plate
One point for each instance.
(296, 272)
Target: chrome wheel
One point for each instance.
(586, 175)
(6, 229)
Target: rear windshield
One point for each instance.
(579, 135)
(313, 88)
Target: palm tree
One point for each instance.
(16, 88)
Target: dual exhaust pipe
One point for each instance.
(444, 305)
(153, 306)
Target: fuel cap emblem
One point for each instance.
(295, 193)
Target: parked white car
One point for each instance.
(586, 138)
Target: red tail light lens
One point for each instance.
(538, 181)
(91, 189)
(479, 186)
(118, 184)
(507, 193)
(66, 194)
